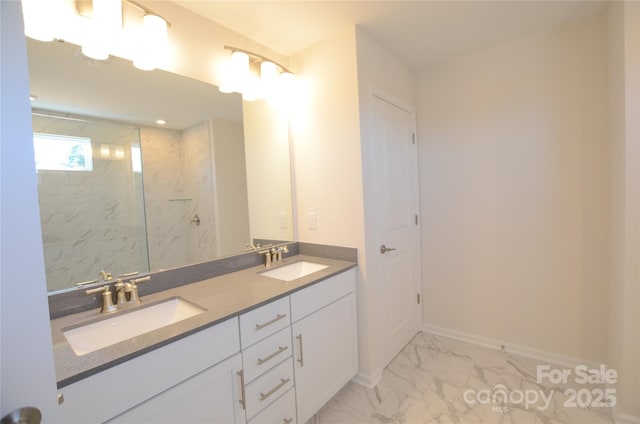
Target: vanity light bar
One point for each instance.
(85, 8)
(264, 83)
(256, 55)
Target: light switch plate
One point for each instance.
(312, 219)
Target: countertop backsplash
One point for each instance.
(74, 301)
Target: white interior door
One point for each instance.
(397, 202)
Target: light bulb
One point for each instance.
(104, 28)
(39, 19)
(152, 42)
(268, 79)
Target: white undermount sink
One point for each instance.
(295, 270)
(128, 324)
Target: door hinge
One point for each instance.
(413, 138)
(418, 296)
(416, 217)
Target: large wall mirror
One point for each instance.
(121, 193)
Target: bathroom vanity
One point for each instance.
(260, 350)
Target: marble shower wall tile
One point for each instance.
(178, 184)
(198, 176)
(435, 380)
(166, 204)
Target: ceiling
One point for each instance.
(420, 33)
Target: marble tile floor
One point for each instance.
(436, 379)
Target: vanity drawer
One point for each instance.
(282, 411)
(311, 299)
(263, 391)
(265, 354)
(262, 322)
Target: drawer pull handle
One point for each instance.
(277, 318)
(243, 397)
(276, 353)
(283, 381)
(287, 421)
(301, 359)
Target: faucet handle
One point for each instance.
(132, 287)
(87, 283)
(97, 290)
(106, 276)
(140, 280)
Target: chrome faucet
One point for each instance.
(276, 253)
(107, 301)
(267, 255)
(120, 288)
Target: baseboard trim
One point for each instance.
(542, 355)
(368, 380)
(627, 419)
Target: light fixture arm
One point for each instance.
(146, 10)
(259, 56)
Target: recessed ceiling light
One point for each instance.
(161, 122)
(33, 97)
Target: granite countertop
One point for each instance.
(223, 297)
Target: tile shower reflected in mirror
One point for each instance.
(90, 185)
(117, 197)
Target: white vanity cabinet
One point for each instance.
(325, 341)
(277, 363)
(172, 374)
(208, 397)
(302, 358)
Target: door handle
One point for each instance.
(384, 249)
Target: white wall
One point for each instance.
(26, 361)
(326, 141)
(268, 170)
(325, 132)
(624, 110)
(232, 206)
(515, 180)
